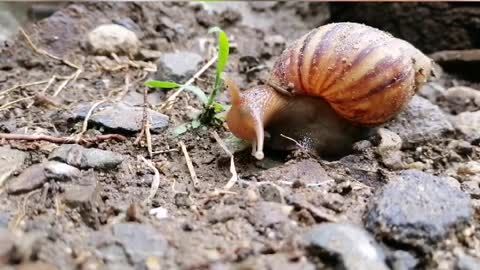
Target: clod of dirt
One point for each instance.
(10, 161)
(266, 214)
(349, 245)
(389, 148)
(124, 118)
(468, 123)
(177, 66)
(33, 177)
(85, 158)
(128, 245)
(420, 122)
(113, 38)
(6, 246)
(61, 171)
(466, 262)
(462, 99)
(85, 198)
(417, 207)
(402, 260)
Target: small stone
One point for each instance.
(432, 92)
(305, 171)
(113, 38)
(462, 99)
(150, 54)
(10, 161)
(466, 262)
(32, 178)
(159, 213)
(178, 66)
(470, 168)
(472, 187)
(468, 123)
(361, 146)
(6, 246)
(389, 149)
(266, 214)
(123, 118)
(85, 158)
(140, 241)
(402, 260)
(354, 247)
(86, 199)
(5, 219)
(61, 171)
(420, 122)
(461, 147)
(416, 206)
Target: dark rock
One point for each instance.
(416, 206)
(420, 122)
(351, 246)
(178, 66)
(468, 123)
(61, 171)
(123, 118)
(466, 262)
(266, 214)
(6, 246)
(85, 158)
(140, 241)
(30, 179)
(402, 260)
(10, 161)
(113, 38)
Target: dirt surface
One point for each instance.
(96, 219)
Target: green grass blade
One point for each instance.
(162, 84)
(223, 48)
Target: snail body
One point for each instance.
(356, 75)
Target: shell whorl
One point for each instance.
(365, 74)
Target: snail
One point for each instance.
(328, 88)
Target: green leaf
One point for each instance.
(181, 129)
(195, 124)
(218, 107)
(198, 92)
(223, 48)
(162, 84)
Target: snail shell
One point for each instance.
(366, 75)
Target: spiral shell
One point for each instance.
(366, 75)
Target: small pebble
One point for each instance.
(113, 38)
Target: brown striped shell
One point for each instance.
(365, 74)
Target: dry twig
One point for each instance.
(191, 169)
(63, 140)
(233, 171)
(155, 182)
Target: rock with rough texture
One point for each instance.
(85, 158)
(416, 207)
(389, 148)
(468, 123)
(420, 122)
(61, 171)
(123, 118)
(466, 262)
(178, 66)
(86, 199)
(462, 99)
(113, 38)
(352, 246)
(10, 161)
(33, 177)
(140, 241)
(266, 214)
(402, 260)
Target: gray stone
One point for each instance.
(432, 92)
(122, 117)
(266, 214)
(140, 241)
(178, 66)
(85, 158)
(33, 177)
(389, 149)
(61, 171)
(113, 38)
(420, 122)
(462, 99)
(86, 199)
(415, 207)
(402, 260)
(468, 123)
(10, 161)
(5, 219)
(466, 262)
(354, 247)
